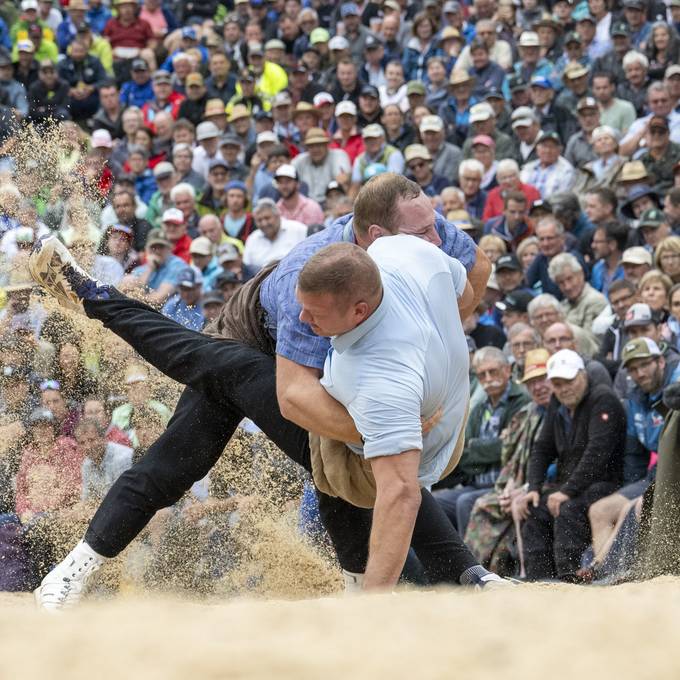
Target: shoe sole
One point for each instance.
(45, 267)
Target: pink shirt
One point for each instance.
(307, 211)
(156, 20)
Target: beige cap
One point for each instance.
(636, 255)
(413, 151)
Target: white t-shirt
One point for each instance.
(260, 251)
(408, 359)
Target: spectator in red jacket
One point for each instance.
(348, 137)
(507, 175)
(175, 228)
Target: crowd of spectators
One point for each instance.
(219, 134)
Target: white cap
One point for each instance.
(206, 130)
(321, 98)
(201, 245)
(338, 42)
(286, 170)
(227, 252)
(101, 139)
(565, 364)
(25, 46)
(346, 106)
(636, 255)
(29, 4)
(267, 136)
(480, 112)
(173, 215)
(529, 39)
(431, 124)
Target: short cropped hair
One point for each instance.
(343, 270)
(562, 262)
(490, 353)
(378, 199)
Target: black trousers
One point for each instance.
(226, 381)
(553, 545)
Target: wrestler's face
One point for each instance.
(328, 315)
(415, 217)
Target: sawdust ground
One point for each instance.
(526, 632)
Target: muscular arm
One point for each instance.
(394, 516)
(304, 401)
(478, 277)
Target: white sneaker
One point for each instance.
(64, 586)
(353, 582)
(53, 267)
(494, 582)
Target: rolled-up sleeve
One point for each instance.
(387, 409)
(456, 243)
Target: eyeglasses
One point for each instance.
(417, 166)
(491, 372)
(528, 344)
(49, 385)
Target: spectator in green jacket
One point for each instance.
(481, 462)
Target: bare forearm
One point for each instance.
(313, 409)
(478, 277)
(394, 517)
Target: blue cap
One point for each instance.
(256, 3)
(189, 277)
(189, 32)
(542, 81)
(349, 9)
(374, 169)
(236, 184)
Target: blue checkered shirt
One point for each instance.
(296, 340)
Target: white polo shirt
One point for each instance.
(408, 358)
(260, 251)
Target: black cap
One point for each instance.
(549, 135)
(493, 93)
(516, 82)
(139, 65)
(263, 115)
(10, 372)
(508, 262)
(212, 297)
(227, 276)
(517, 301)
(540, 204)
(573, 36)
(372, 42)
(620, 28)
(634, 4)
(370, 91)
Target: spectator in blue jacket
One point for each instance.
(420, 48)
(138, 91)
(66, 31)
(97, 15)
(184, 306)
(145, 183)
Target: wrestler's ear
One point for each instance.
(375, 231)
